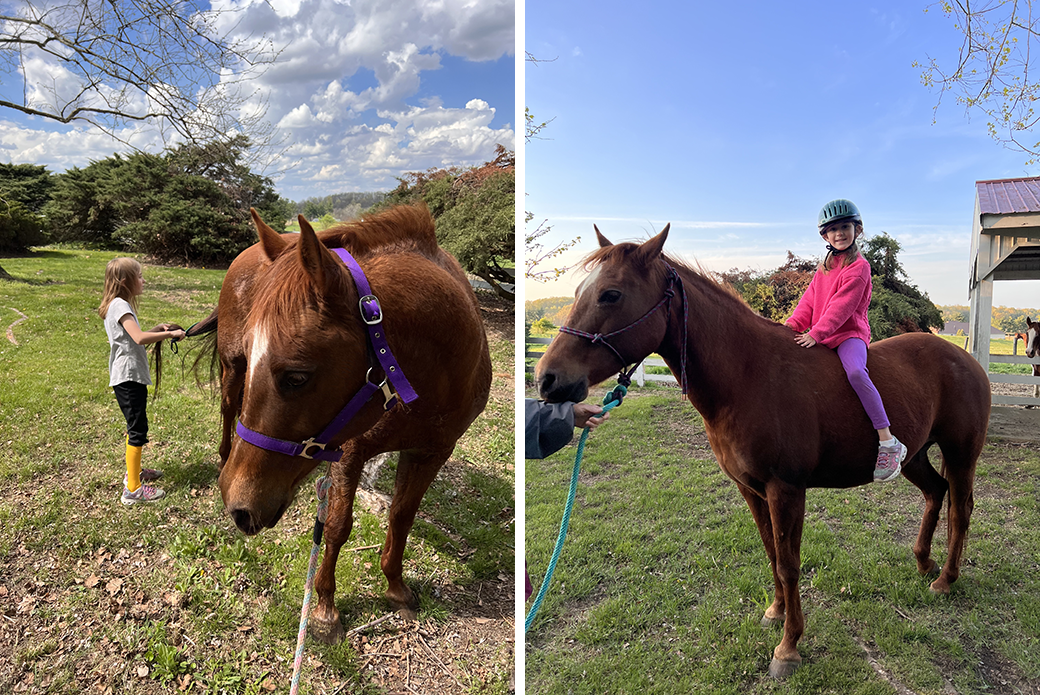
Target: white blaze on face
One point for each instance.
(261, 344)
(1031, 342)
(589, 281)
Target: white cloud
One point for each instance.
(343, 91)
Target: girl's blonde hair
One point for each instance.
(830, 261)
(120, 280)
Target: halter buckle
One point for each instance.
(371, 312)
(389, 397)
(311, 448)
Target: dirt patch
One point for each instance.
(1011, 423)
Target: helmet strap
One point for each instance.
(837, 252)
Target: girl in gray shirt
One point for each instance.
(128, 369)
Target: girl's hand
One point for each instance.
(177, 334)
(805, 340)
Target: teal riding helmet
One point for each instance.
(839, 209)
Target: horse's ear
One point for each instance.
(313, 254)
(650, 250)
(271, 241)
(603, 241)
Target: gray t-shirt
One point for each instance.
(127, 361)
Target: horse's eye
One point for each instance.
(292, 381)
(609, 297)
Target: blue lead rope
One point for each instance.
(610, 401)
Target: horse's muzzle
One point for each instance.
(555, 390)
(249, 522)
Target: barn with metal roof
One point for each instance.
(1005, 245)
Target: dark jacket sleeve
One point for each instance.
(547, 427)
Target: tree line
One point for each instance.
(1004, 318)
(188, 204)
(191, 204)
(340, 206)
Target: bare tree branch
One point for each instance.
(178, 64)
(992, 71)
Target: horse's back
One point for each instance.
(929, 383)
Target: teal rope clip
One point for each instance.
(610, 401)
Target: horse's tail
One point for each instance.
(207, 361)
(206, 358)
(949, 526)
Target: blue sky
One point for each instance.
(736, 122)
(363, 91)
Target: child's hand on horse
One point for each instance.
(805, 340)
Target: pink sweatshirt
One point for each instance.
(834, 306)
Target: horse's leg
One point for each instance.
(760, 511)
(787, 511)
(325, 625)
(933, 486)
(960, 473)
(415, 471)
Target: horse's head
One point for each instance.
(306, 352)
(1032, 338)
(626, 282)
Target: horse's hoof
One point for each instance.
(940, 586)
(931, 570)
(781, 669)
(404, 601)
(770, 622)
(326, 631)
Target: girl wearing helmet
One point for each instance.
(833, 312)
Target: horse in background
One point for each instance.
(780, 418)
(1031, 338)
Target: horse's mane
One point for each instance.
(404, 226)
(710, 281)
(289, 293)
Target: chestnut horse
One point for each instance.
(780, 418)
(294, 348)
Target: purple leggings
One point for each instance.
(853, 354)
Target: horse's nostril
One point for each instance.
(546, 383)
(244, 521)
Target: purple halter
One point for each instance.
(625, 377)
(372, 316)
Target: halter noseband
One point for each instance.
(625, 377)
(372, 316)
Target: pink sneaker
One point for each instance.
(145, 493)
(889, 462)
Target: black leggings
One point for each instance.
(133, 401)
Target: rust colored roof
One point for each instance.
(1005, 196)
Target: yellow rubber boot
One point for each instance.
(133, 467)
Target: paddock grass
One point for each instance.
(170, 597)
(663, 579)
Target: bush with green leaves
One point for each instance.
(475, 213)
(19, 228)
(188, 204)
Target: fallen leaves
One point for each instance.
(114, 586)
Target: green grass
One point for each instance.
(663, 580)
(193, 598)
